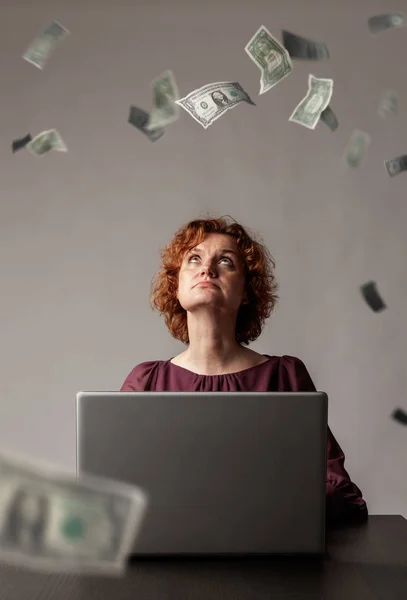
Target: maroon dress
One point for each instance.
(344, 501)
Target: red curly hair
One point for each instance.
(261, 286)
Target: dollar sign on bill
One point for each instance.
(356, 148)
(211, 101)
(270, 56)
(396, 165)
(380, 23)
(301, 48)
(165, 93)
(42, 47)
(308, 111)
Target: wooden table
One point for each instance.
(362, 562)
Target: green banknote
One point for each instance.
(46, 141)
(165, 94)
(56, 521)
(42, 47)
(308, 111)
(270, 56)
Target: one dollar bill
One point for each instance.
(372, 296)
(21, 142)
(329, 118)
(165, 93)
(211, 101)
(396, 165)
(139, 119)
(356, 148)
(46, 141)
(270, 56)
(40, 50)
(308, 111)
(56, 521)
(301, 48)
(380, 23)
(388, 103)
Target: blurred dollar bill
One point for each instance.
(51, 520)
(211, 101)
(139, 119)
(270, 56)
(356, 147)
(308, 111)
(46, 141)
(400, 415)
(165, 110)
(301, 48)
(42, 47)
(396, 165)
(329, 118)
(372, 296)
(388, 103)
(387, 21)
(21, 142)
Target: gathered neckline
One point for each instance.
(220, 374)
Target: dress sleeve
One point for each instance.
(344, 500)
(139, 379)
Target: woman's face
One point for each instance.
(216, 259)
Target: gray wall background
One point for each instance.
(80, 232)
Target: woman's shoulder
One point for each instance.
(285, 360)
(296, 373)
(140, 376)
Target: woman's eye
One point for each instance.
(223, 258)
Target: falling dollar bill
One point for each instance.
(165, 94)
(387, 21)
(301, 48)
(42, 47)
(329, 118)
(372, 296)
(55, 521)
(357, 148)
(308, 111)
(211, 101)
(20, 143)
(400, 416)
(270, 56)
(388, 103)
(139, 119)
(396, 165)
(46, 141)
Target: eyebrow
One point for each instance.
(224, 251)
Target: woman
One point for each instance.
(215, 289)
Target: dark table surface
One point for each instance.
(362, 562)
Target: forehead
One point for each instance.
(217, 241)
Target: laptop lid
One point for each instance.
(226, 472)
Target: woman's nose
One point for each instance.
(207, 269)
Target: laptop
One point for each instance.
(226, 473)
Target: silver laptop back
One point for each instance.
(225, 472)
